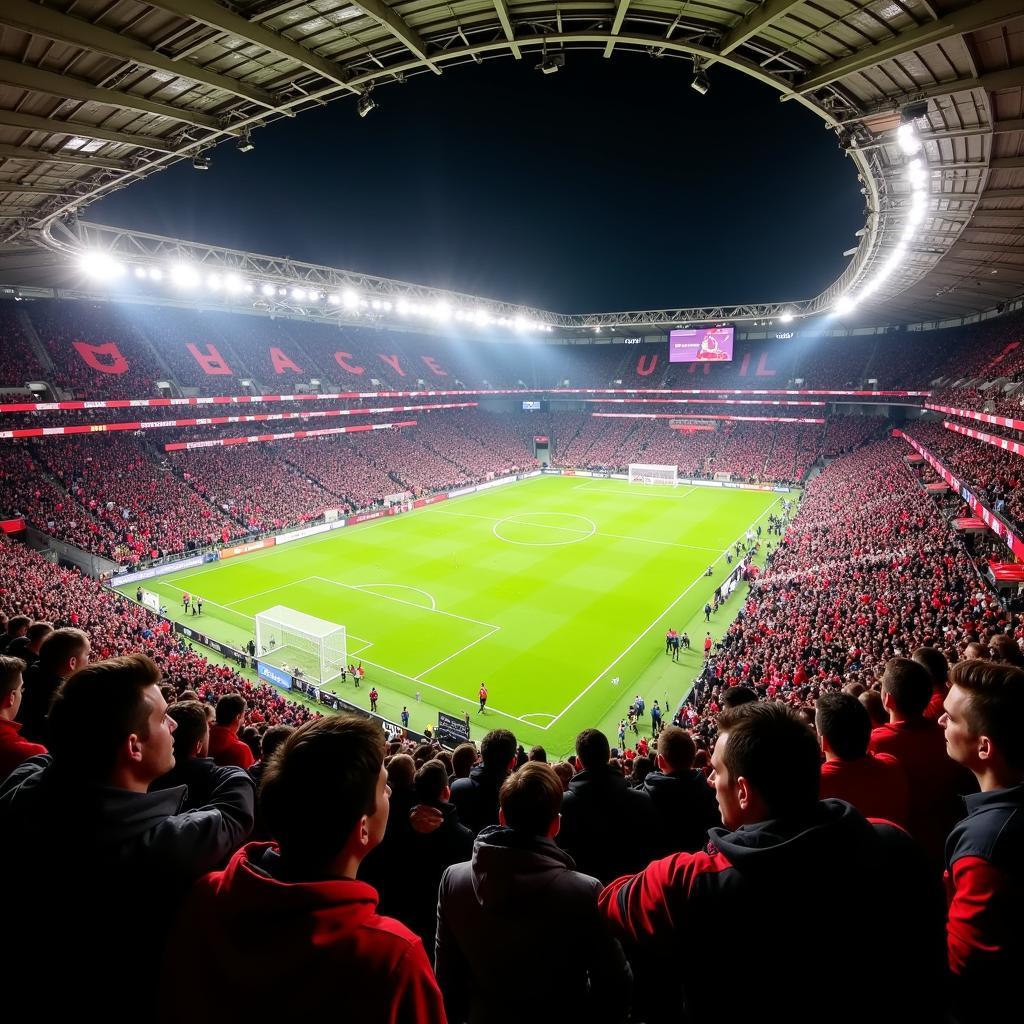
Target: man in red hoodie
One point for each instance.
(288, 921)
(225, 747)
(13, 748)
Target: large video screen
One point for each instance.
(702, 345)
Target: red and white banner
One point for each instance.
(245, 549)
(208, 421)
(982, 417)
(982, 511)
(292, 435)
(704, 416)
(702, 401)
(993, 439)
(432, 499)
(156, 403)
(12, 525)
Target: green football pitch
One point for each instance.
(556, 592)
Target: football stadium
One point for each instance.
(423, 598)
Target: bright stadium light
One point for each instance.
(100, 266)
(184, 276)
(846, 304)
(442, 311)
(334, 299)
(140, 272)
(299, 294)
(349, 299)
(910, 144)
(213, 282)
(402, 307)
(155, 274)
(234, 284)
(267, 290)
(786, 317)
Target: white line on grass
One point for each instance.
(657, 619)
(371, 587)
(472, 643)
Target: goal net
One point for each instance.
(289, 639)
(641, 473)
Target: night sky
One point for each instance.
(610, 185)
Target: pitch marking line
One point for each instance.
(461, 650)
(658, 619)
(371, 587)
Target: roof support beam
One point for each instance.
(44, 21)
(996, 247)
(41, 190)
(1000, 193)
(968, 19)
(1002, 163)
(218, 17)
(768, 12)
(32, 123)
(501, 6)
(974, 267)
(398, 27)
(1007, 78)
(61, 156)
(67, 87)
(620, 17)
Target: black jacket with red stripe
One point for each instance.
(985, 873)
(828, 918)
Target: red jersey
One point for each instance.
(875, 784)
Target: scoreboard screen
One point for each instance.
(702, 345)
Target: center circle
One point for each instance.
(560, 535)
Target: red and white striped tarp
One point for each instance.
(292, 435)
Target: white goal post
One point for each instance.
(642, 473)
(290, 639)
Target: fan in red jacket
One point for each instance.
(13, 749)
(225, 746)
(286, 931)
(984, 727)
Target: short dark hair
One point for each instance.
(498, 748)
(531, 798)
(592, 748)
(273, 738)
(1005, 649)
(431, 782)
(871, 701)
(935, 662)
(318, 785)
(96, 709)
(772, 747)
(61, 646)
(676, 746)
(538, 753)
(463, 758)
(39, 631)
(996, 706)
(736, 696)
(844, 722)
(229, 707)
(10, 671)
(909, 685)
(401, 771)
(190, 717)
(18, 623)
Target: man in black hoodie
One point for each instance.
(607, 827)
(682, 798)
(492, 963)
(476, 798)
(791, 884)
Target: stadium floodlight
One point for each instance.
(200, 162)
(100, 266)
(350, 299)
(442, 311)
(910, 144)
(334, 299)
(213, 282)
(267, 290)
(155, 274)
(402, 307)
(245, 143)
(549, 65)
(700, 83)
(184, 276)
(366, 104)
(846, 304)
(299, 294)
(140, 272)
(786, 316)
(233, 283)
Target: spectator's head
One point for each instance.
(64, 651)
(642, 767)
(401, 772)
(843, 724)
(592, 749)
(872, 701)
(538, 754)
(565, 773)
(906, 689)
(984, 721)
(530, 801)
(975, 650)
(192, 735)
(766, 765)
(432, 784)
(736, 696)
(325, 796)
(11, 686)
(1005, 649)
(463, 758)
(109, 724)
(498, 750)
(676, 750)
(935, 662)
(230, 710)
(273, 738)
(17, 625)
(37, 633)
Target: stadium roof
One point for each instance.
(97, 94)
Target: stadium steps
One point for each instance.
(158, 356)
(38, 348)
